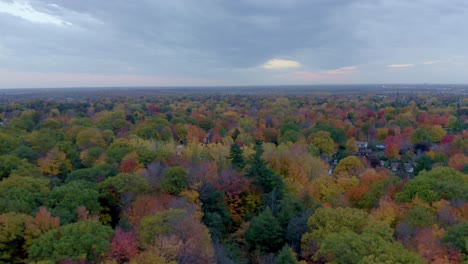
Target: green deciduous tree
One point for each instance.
(27, 170)
(265, 233)
(174, 180)
(290, 136)
(43, 140)
(154, 128)
(95, 174)
(90, 137)
(26, 121)
(7, 164)
(457, 236)
(25, 152)
(286, 256)
(347, 235)
(115, 188)
(349, 247)
(456, 125)
(83, 241)
(71, 152)
(8, 143)
(421, 135)
(22, 194)
(116, 154)
(439, 183)
(65, 199)
(419, 216)
(328, 220)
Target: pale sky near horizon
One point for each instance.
(88, 43)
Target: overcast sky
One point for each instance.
(77, 43)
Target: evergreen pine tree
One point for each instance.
(235, 154)
(263, 176)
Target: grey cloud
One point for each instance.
(224, 39)
(224, 33)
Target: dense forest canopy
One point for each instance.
(315, 178)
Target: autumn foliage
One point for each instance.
(244, 178)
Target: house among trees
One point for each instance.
(408, 167)
(361, 144)
(362, 149)
(380, 146)
(394, 166)
(364, 152)
(179, 149)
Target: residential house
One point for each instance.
(361, 144)
(380, 146)
(394, 166)
(408, 167)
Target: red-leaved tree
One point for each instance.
(124, 245)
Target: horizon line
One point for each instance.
(227, 86)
